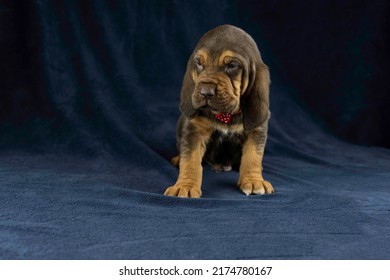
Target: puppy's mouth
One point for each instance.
(209, 108)
(207, 105)
(217, 108)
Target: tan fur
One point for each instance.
(226, 56)
(251, 179)
(190, 163)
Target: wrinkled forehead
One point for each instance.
(218, 47)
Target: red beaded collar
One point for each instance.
(225, 118)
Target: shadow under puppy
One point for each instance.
(225, 112)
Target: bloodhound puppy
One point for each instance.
(225, 112)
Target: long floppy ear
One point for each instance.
(255, 101)
(186, 93)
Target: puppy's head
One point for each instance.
(225, 74)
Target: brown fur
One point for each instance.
(227, 65)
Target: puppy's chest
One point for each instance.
(225, 148)
(225, 142)
(224, 136)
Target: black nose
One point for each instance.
(207, 91)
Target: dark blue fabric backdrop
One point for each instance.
(88, 109)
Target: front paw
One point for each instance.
(184, 190)
(255, 185)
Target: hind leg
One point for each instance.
(221, 167)
(176, 161)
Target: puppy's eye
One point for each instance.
(231, 67)
(199, 66)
